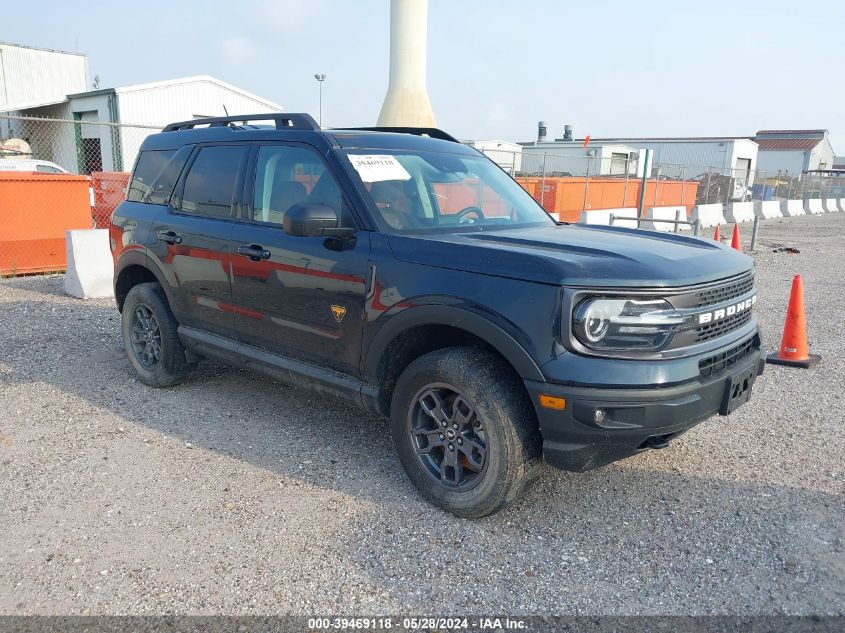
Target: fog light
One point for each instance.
(600, 416)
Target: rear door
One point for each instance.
(304, 296)
(193, 237)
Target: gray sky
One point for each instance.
(495, 67)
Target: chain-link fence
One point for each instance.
(55, 175)
(60, 174)
(570, 184)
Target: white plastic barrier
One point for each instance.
(739, 212)
(768, 209)
(842, 204)
(708, 215)
(830, 205)
(664, 213)
(814, 205)
(792, 208)
(90, 268)
(626, 217)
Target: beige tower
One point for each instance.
(406, 102)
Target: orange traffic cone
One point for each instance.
(717, 234)
(735, 243)
(793, 347)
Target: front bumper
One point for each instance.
(634, 419)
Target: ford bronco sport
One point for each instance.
(407, 273)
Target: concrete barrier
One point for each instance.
(814, 206)
(792, 208)
(842, 204)
(708, 215)
(90, 268)
(831, 205)
(739, 212)
(664, 213)
(626, 216)
(768, 209)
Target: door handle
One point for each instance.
(169, 237)
(255, 252)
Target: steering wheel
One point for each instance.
(461, 215)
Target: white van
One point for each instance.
(31, 164)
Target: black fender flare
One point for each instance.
(137, 257)
(456, 317)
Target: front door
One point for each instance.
(301, 297)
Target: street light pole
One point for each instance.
(320, 77)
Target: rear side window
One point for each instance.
(210, 184)
(156, 174)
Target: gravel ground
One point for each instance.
(234, 494)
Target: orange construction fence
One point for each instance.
(35, 211)
(568, 196)
(109, 191)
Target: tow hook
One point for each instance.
(658, 441)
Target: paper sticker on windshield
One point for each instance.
(378, 167)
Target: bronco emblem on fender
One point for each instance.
(339, 312)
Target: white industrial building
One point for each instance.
(571, 157)
(696, 155)
(508, 155)
(794, 151)
(110, 124)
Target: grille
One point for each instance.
(717, 329)
(723, 293)
(714, 364)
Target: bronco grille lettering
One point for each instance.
(721, 313)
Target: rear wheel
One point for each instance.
(464, 431)
(149, 336)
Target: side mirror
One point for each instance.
(313, 220)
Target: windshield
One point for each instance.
(417, 191)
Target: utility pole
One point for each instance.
(320, 77)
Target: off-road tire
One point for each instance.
(502, 409)
(172, 367)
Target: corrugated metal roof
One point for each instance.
(793, 132)
(787, 144)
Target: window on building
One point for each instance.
(210, 185)
(618, 163)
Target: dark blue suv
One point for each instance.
(405, 272)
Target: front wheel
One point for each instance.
(464, 431)
(150, 339)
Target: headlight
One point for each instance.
(625, 324)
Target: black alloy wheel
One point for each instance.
(146, 336)
(448, 436)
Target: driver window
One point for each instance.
(287, 175)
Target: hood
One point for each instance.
(577, 255)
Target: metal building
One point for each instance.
(794, 151)
(153, 104)
(31, 77)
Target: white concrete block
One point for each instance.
(664, 213)
(708, 215)
(739, 212)
(626, 217)
(842, 204)
(792, 208)
(814, 205)
(768, 209)
(831, 205)
(90, 268)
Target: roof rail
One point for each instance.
(433, 132)
(283, 121)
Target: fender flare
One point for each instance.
(137, 257)
(471, 322)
